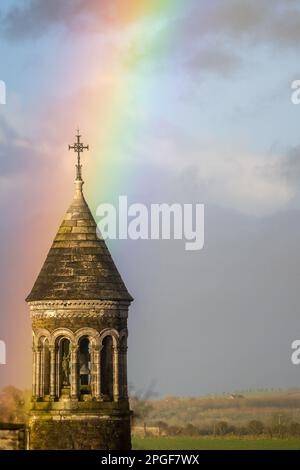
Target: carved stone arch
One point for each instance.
(62, 332)
(92, 334)
(110, 332)
(41, 363)
(109, 344)
(39, 335)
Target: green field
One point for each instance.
(192, 443)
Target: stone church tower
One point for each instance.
(79, 308)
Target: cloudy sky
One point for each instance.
(180, 102)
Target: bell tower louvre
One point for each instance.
(79, 308)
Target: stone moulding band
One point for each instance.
(78, 303)
(78, 314)
(79, 309)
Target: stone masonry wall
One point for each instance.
(12, 437)
(80, 434)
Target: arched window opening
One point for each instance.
(85, 365)
(107, 368)
(65, 369)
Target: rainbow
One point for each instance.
(125, 94)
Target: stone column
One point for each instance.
(33, 372)
(74, 373)
(116, 362)
(57, 372)
(92, 380)
(42, 373)
(38, 371)
(97, 372)
(124, 372)
(93, 358)
(52, 350)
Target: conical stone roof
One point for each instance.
(79, 265)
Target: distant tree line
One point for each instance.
(223, 428)
(14, 405)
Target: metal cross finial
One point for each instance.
(78, 147)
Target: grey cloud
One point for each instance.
(212, 33)
(257, 22)
(266, 20)
(214, 59)
(209, 34)
(33, 18)
(286, 167)
(17, 154)
(36, 17)
(236, 17)
(289, 167)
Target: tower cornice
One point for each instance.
(74, 309)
